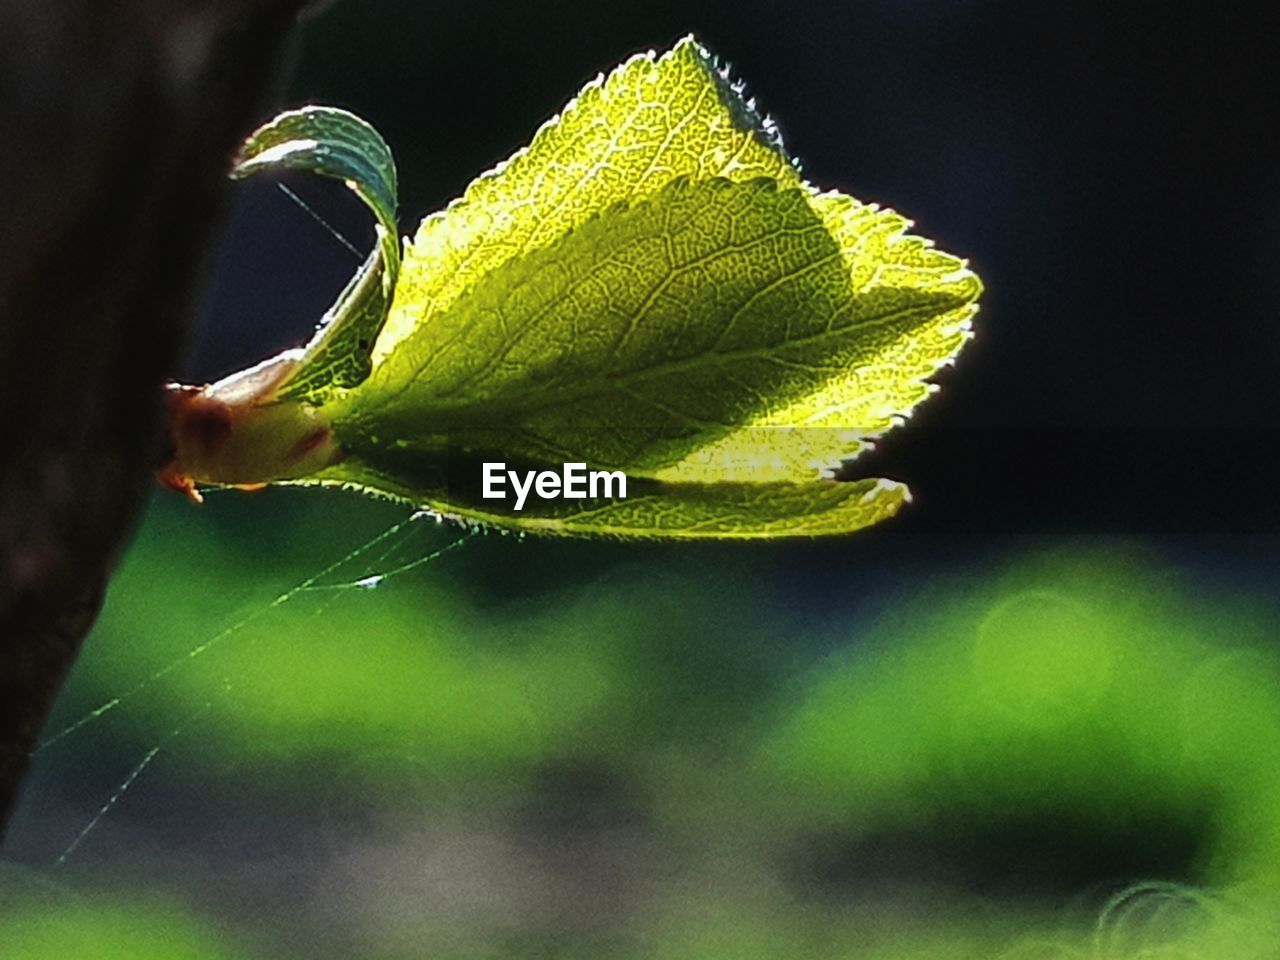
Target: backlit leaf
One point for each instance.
(650, 286)
(652, 120)
(710, 332)
(652, 509)
(335, 143)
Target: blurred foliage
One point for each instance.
(1069, 753)
(40, 921)
(415, 665)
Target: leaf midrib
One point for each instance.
(554, 395)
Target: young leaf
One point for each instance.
(710, 313)
(650, 287)
(653, 120)
(667, 351)
(652, 509)
(338, 353)
(335, 143)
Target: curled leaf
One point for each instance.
(335, 143)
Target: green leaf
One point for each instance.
(709, 333)
(653, 120)
(652, 509)
(695, 511)
(335, 143)
(650, 286)
(338, 353)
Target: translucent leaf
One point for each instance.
(338, 354)
(651, 510)
(650, 286)
(653, 120)
(711, 332)
(335, 143)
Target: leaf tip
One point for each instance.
(743, 109)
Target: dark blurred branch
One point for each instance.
(117, 119)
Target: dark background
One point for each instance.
(1110, 169)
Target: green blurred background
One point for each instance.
(1070, 750)
(1036, 716)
